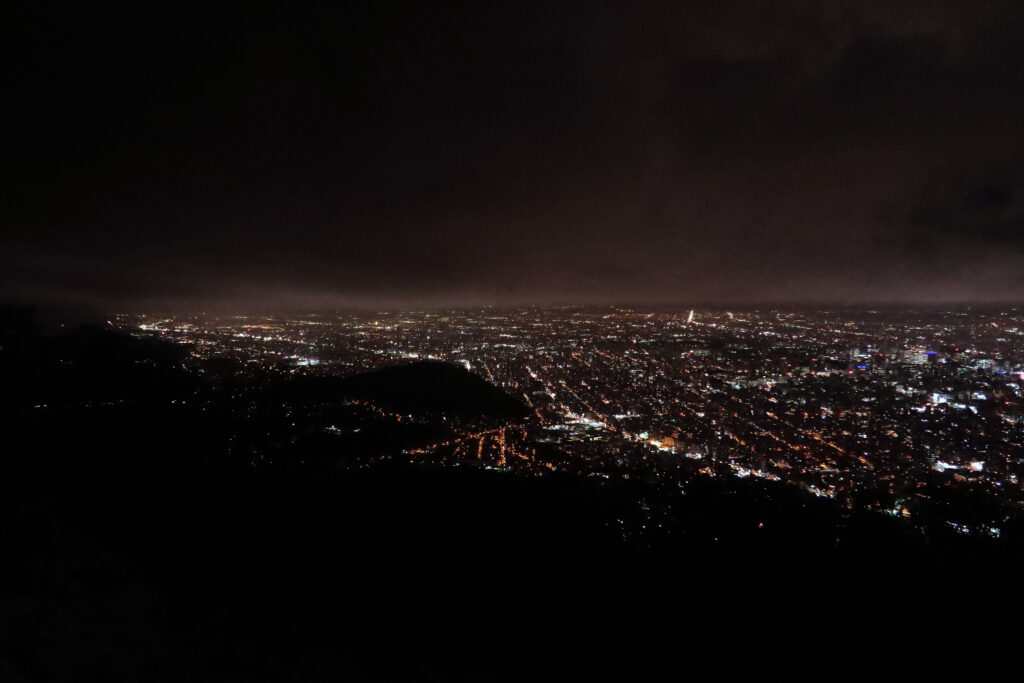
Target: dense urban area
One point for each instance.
(911, 414)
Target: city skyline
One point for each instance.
(890, 412)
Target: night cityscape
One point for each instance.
(889, 411)
(511, 341)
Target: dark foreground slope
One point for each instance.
(134, 550)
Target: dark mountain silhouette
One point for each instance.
(423, 388)
(84, 365)
(432, 387)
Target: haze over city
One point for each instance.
(515, 153)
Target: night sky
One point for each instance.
(388, 154)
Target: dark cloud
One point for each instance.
(390, 154)
(968, 212)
